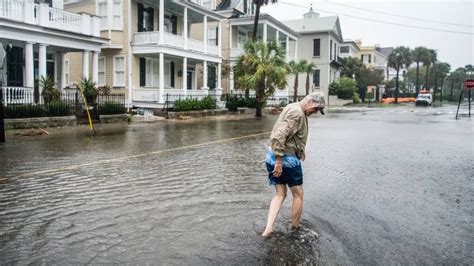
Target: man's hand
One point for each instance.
(278, 169)
(302, 157)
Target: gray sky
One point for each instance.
(453, 48)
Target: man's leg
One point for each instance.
(275, 207)
(297, 208)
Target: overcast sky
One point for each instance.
(453, 48)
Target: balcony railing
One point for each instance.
(153, 37)
(41, 14)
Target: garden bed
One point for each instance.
(40, 122)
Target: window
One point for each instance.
(316, 78)
(370, 58)
(119, 71)
(212, 36)
(316, 47)
(330, 50)
(66, 71)
(344, 49)
(101, 80)
(103, 13)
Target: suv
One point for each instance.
(424, 99)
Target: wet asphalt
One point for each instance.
(382, 186)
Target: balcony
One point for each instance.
(176, 41)
(28, 12)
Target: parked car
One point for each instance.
(424, 99)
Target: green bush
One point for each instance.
(57, 108)
(355, 98)
(344, 88)
(50, 93)
(24, 111)
(235, 101)
(333, 88)
(111, 108)
(194, 104)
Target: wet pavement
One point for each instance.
(382, 186)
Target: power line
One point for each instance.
(381, 21)
(401, 16)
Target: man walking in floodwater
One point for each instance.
(287, 150)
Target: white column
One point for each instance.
(185, 75)
(29, 75)
(42, 62)
(110, 17)
(162, 21)
(264, 32)
(205, 33)
(230, 37)
(63, 80)
(287, 47)
(231, 79)
(277, 38)
(204, 75)
(95, 67)
(296, 50)
(59, 70)
(219, 85)
(185, 27)
(219, 38)
(162, 76)
(85, 64)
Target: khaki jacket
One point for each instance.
(290, 132)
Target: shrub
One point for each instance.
(50, 93)
(111, 108)
(24, 111)
(194, 104)
(355, 98)
(333, 88)
(57, 108)
(235, 101)
(87, 86)
(347, 88)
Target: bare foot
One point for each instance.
(267, 234)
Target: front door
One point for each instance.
(211, 77)
(15, 67)
(189, 80)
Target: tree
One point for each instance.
(258, 4)
(309, 69)
(368, 77)
(296, 68)
(439, 70)
(419, 54)
(399, 57)
(429, 60)
(261, 67)
(351, 67)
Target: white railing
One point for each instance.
(12, 9)
(213, 49)
(173, 40)
(195, 45)
(41, 14)
(146, 95)
(63, 20)
(146, 37)
(236, 52)
(17, 95)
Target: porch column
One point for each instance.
(204, 75)
(231, 79)
(95, 67)
(296, 50)
(29, 70)
(42, 63)
(85, 64)
(185, 75)
(62, 79)
(264, 32)
(162, 76)
(59, 70)
(230, 38)
(162, 21)
(287, 47)
(219, 37)
(205, 34)
(277, 38)
(185, 27)
(218, 85)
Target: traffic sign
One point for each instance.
(469, 83)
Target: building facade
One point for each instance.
(35, 36)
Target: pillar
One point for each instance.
(29, 65)
(162, 76)
(85, 64)
(42, 63)
(185, 27)
(95, 67)
(162, 21)
(185, 75)
(205, 33)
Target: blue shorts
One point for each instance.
(292, 174)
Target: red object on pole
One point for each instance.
(469, 83)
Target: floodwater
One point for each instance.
(382, 186)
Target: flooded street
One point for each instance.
(385, 186)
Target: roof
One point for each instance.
(386, 50)
(263, 16)
(227, 5)
(314, 24)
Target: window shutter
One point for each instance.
(316, 47)
(140, 17)
(142, 72)
(172, 74)
(174, 23)
(151, 20)
(217, 36)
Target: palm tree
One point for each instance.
(296, 68)
(439, 69)
(430, 59)
(258, 4)
(261, 67)
(419, 54)
(400, 57)
(309, 69)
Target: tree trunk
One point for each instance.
(427, 76)
(435, 87)
(417, 77)
(452, 86)
(259, 98)
(307, 83)
(295, 89)
(396, 87)
(255, 23)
